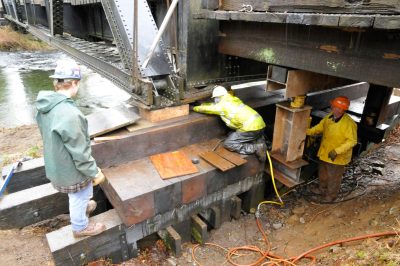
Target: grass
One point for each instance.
(11, 40)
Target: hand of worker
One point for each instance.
(99, 178)
(332, 155)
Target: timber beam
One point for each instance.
(375, 21)
(369, 55)
(331, 6)
(137, 191)
(118, 242)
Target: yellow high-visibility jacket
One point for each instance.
(234, 113)
(340, 136)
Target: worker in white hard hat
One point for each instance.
(68, 157)
(247, 123)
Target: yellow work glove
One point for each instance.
(99, 178)
(332, 155)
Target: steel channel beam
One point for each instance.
(116, 75)
(120, 16)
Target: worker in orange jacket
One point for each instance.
(339, 136)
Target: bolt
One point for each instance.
(82, 256)
(36, 214)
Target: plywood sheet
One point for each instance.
(216, 160)
(230, 156)
(172, 164)
(111, 119)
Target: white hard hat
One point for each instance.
(219, 91)
(67, 69)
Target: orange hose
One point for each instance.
(275, 259)
(343, 241)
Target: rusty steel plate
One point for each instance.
(172, 164)
(233, 157)
(216, 160)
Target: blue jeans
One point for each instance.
(78, 202)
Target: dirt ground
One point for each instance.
(371, 206)
(19, 142)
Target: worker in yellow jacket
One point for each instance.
(339, 136)
(247, 123)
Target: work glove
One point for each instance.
(332, 155)
(99, 178)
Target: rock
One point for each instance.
(377, 163)
(338, 213)
(277, 226)
(172, 261)
(335, 249)
(302, 220)
(373, 222)
(377, 170)
(299, 210)
(294, 219)
(393, 211)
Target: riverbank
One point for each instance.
(11, 40)
(19, 142)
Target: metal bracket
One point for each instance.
(124, 247)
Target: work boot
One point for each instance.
(90, 207)
(316, 190)
(261, 151)
(328, 199)
(91, 230)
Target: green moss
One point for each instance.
(267, 55)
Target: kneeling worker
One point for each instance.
(247, 123)
(339, 136)
(67, 152)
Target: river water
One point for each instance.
(24, 74)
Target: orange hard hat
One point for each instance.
(341, 102)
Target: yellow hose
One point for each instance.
(280, 203)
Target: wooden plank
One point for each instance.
(216, 160)
(107, 138)
(199, 229)
(110, 119)
(387, 22)
(329, 6)
(236, 5)
(173, 164)
(165, 113)
(67, 250)
(289, 182)
(31, 205)
(140, 124)
(292, 165)
(356, 21)
(30, 174)
(230, 156)
(172, 240)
